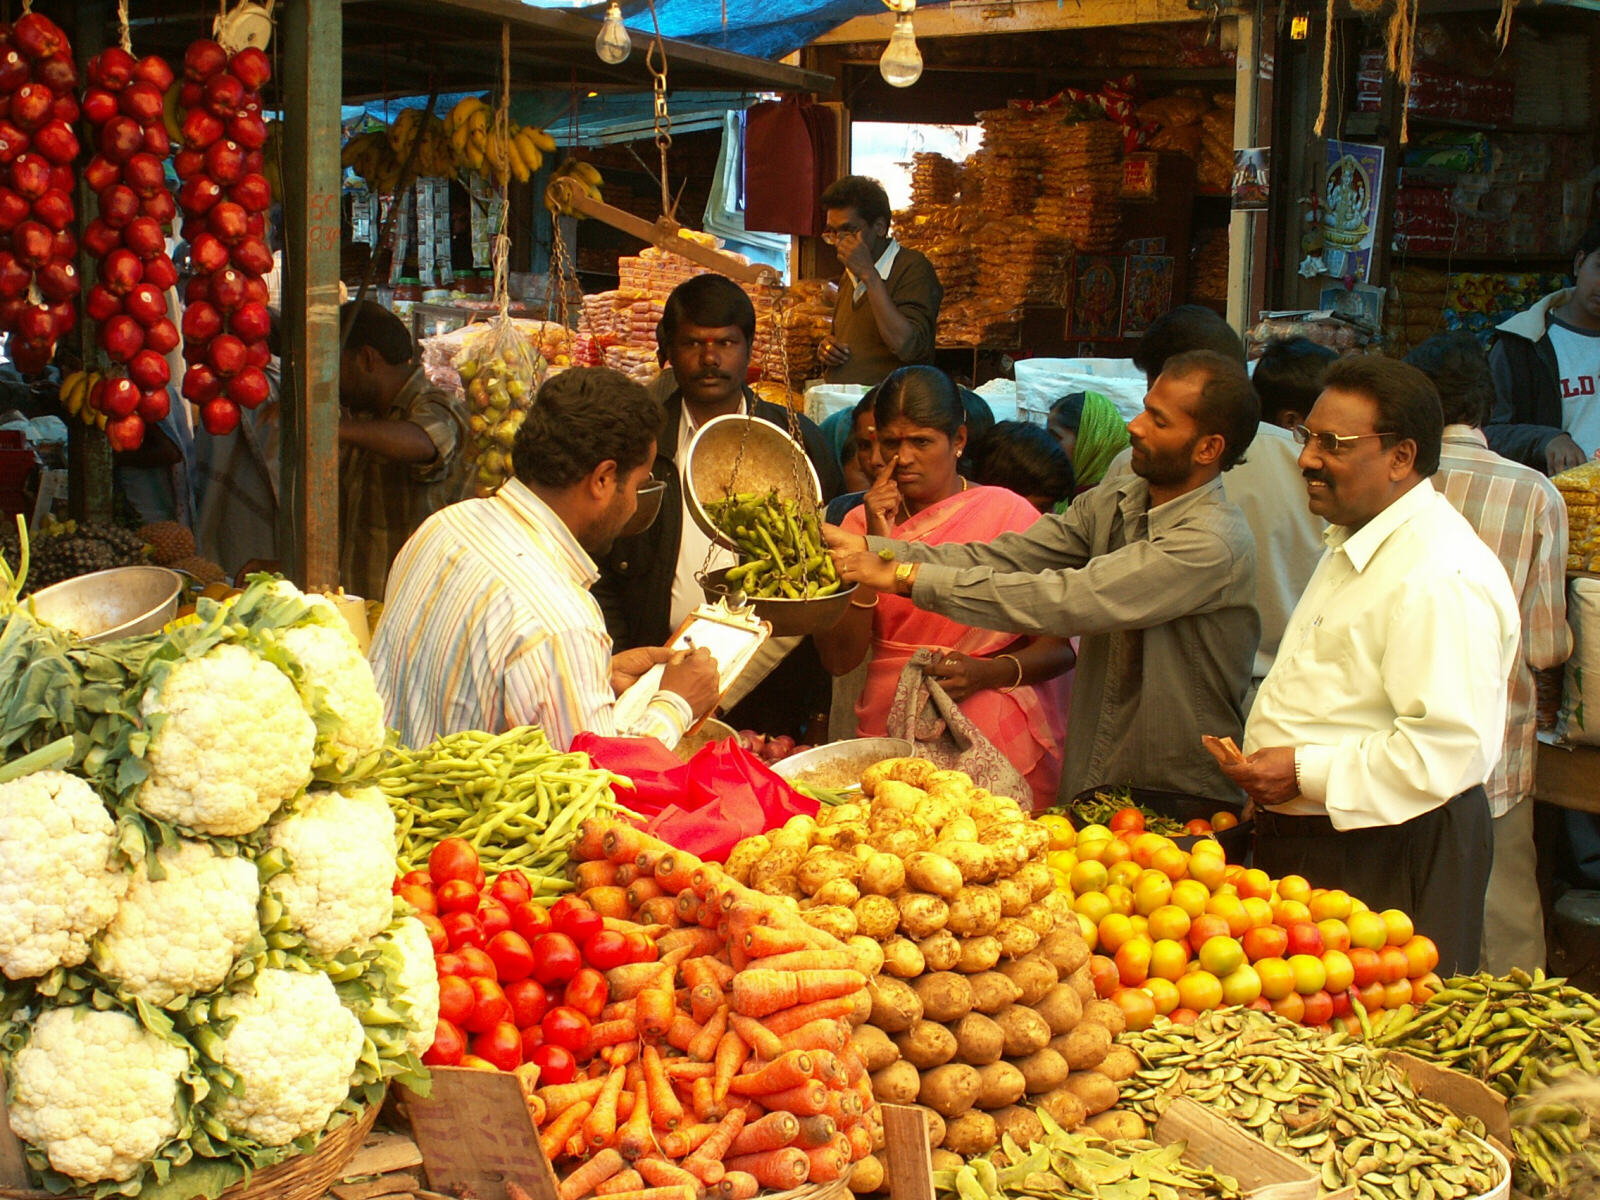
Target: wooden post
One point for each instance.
(308, 515)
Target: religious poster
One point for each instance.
(1096, 311)
(1250, 185)
(1146, 292)
(1351, 192)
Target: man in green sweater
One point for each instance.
(887, 314)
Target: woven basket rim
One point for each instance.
(815, 1191)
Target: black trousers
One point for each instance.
(1434, 867)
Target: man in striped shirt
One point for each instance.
(1519, 515)
(488, 622)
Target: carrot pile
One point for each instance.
(725, 1067)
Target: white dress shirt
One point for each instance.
(1390, 683)
(883, 266)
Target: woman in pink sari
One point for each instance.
(1010, 686)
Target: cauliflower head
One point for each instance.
(59, 885)
(97, 1092)
(415, 982)
(331, 663)
(235, 743)
(175, 936)
(340, 849)
(293, 1046)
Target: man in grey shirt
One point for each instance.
(1154, 572)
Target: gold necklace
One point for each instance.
(907, 512)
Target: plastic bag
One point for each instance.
(500, 373)
(731, 795)
(658, 778)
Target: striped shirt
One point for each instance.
(1519, 515)
(381, 502)
(488, 624)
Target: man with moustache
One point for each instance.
(1371, 737)
(1155, 572)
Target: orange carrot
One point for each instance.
(622, 843)
(590, 1175)
(601, 1125)
(683, 1068)
(816, 1131)
(757, 1036)
(703, 1099)
(657, 1008)
(610, 1033)
(622, 1054)
(738, 1185)
(623, 1181)
(704, 1046)
(742, 918)
(706, 971)
(704, 877)
(662, 912)
(661, 1173)
(648, 857)
(665, 1110)
(825, 1066)
(706, 1162)
(772, 1132)
(608, 901)
(682, 1031)
(759, 993)
(536, 1109)
(789, 1070)
(828, 1162)
(731, 1054)
(843, 1107)
(562, 1096)
(627, 981)
(636, 1140)
(804, 1100)
(763, 941)
(809, 960)
(698, 939)
(591, 838)
(553, 1139)
(646, 888)
(674, 869)
(626, 874)
(706, 1001)
(657, 1193)
(686, 1139)
(790, 1019)
(623, 925)
(688, 907)
(832, 1036)
(597, 873)
(785, 1168)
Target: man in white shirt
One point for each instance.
(1384, 713)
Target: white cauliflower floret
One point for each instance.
(330, 659)
(236, 743)
(341, 849)
(96, 1091)
(58, 884)
(180, 935)
(293, 1047)
(416, 983)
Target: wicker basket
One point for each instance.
(304, 1177)
(834, 1189)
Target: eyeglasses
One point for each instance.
(1332, 443)
(832, 236)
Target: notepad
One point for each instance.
(732, 635)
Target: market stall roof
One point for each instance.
(397, 47)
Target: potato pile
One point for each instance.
(983, 1007)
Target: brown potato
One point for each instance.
(902, 959)
(1000, 1084)
(866, 953)
(921, 914)
(979, 1041)
(1024, 1030)
(934, 1122)
(933, 873)
(1085, 1046)
(1083, 983)
(946, 1160)
(745, 855)
(1060, 1008)
(978, 954)
(837, 891)
(1020, 1124)
(1015, 896)
(898, 842)
(1116, 1125)
(1120, 1063)
(894, 1005)
(1096, 1091)
(971, 1133)
(1037, 918)
(861, 1007)
(926, 1045)
(950, 1090)
(1064, 1108)
(941, 951)
(1016, 939)
(945, 995)
(976, 862)
(1107, 1013)
(992, 991)
(1038, 877)
(876, 916)
(1043, 1071)
(881, 875)
(874, 1047)
(1066, 950)
(833, 919)
(1032, 974)
(898, 1083)
(974, 911)
(822, 866)
(868, 1175)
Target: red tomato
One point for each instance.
(587, 992)
(577, 920)
(495, 916)
(436, 934)
(476, 963)
(511, 887)
(555, 958)
(556, 1065)
(607, 949)
(457, 895)
(1198, 827)
(566, 1027)
(641, 948)
(1126, 818)
(502, 1046)
(449, 1044)
(449, 964)
(513, 957)
(420, 898)
(464, 929)
(528, 1002)
(489, 1008)
(530, 919)
(473, 1062)
(454, 858)
(421, 878)
(456, 999)
(532, 1039)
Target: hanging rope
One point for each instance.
(502, 136)
(122, 26)
(1327, 71)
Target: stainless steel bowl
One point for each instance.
(649, 508)
(712, 731)
(121, 602)
(788, 618)
(767, 460)
(839, 765)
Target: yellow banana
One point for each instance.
(169, 113)
(72, 392)
(541, 139)
(463, 106)
(478, 119)
(519, 161)
(586, 171)
(528, 148)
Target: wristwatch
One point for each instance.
(905, 574)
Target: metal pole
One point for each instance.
(308, 516)
(1242, 229)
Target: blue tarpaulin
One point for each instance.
(767, 29)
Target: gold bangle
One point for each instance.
(854, 603)
(1006, 691)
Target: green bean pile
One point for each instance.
(516, 798)
(781, 544)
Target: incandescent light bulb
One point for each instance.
(901, 64)
(612, 43)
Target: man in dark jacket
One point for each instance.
(1546, 366)
(647, 584)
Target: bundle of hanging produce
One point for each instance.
(203, 965)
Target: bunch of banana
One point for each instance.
(433, 155)
(476, 146)
(380, 156)
(75, 389)
(580, 175)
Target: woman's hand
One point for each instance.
(882, 502)
(962, 675)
